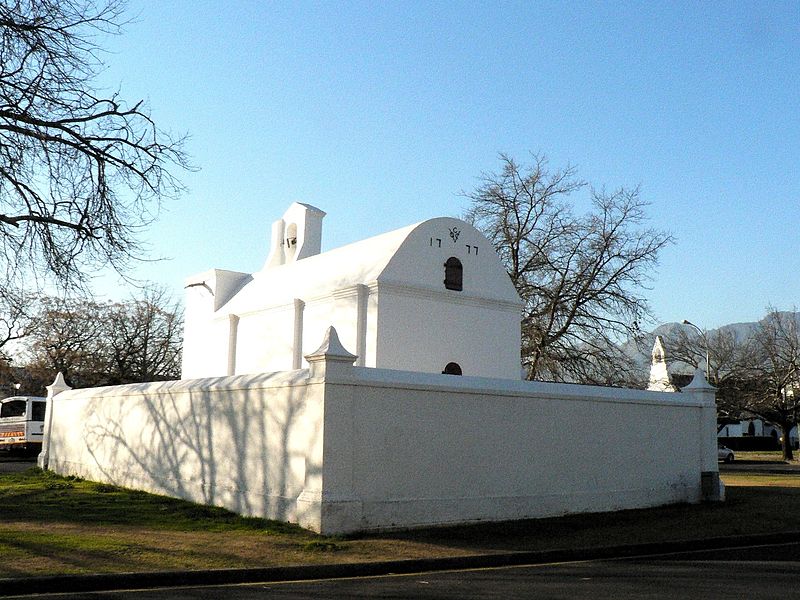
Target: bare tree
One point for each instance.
(95, 343)
(14, 323)
(145, 338)
(730, 353)
(581, 276)
(757, 373)
(14, 318)
(80, 171)
(774, 394)
(68, 336)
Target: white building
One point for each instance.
(430, 297)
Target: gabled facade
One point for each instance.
(431, 297)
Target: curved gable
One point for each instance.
(412, 256)
(422, 257)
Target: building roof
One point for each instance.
(410, 257)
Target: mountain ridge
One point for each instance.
(640, 350)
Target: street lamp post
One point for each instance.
(705, 339)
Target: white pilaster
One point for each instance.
(55, 388)
(712, 487)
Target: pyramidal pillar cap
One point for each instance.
(58, 386)
(699, 381)
(331, 353)
(701, 389)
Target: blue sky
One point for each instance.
(381, 113)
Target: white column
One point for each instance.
(233, 332)
(328, 503)
(362, 300)
(712, 487)
(297, 343)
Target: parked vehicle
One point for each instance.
(22, 423)
(724, 454)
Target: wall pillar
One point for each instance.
(328, 503)
(712, 488)
(55, 388)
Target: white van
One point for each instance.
(22, 423)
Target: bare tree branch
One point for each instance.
(80, 174)
(581, 277)
(757, 374)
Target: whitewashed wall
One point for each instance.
(340, 448)
(426, 334)
(238, 442)
(422, 450)
(268, 337)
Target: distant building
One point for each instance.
(430, 297)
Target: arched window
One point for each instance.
(452, 369)
(453, 274)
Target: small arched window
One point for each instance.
(452, 369)
(290, 239)
(453, 274)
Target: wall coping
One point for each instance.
(390, 378)
(411, 380)
(278, 379)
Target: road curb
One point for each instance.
(128, 581)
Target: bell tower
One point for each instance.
(295, 236)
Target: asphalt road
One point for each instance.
(12, 463)
(765, 572)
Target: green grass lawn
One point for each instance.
(760, 456)
(54, 525)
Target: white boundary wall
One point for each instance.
(339, 448)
